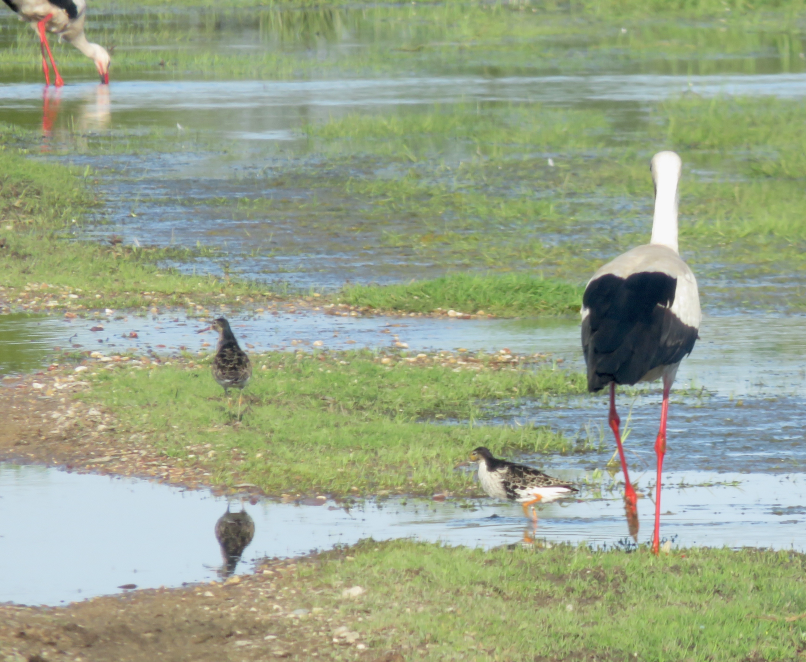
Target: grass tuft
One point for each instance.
(513, 294)
(568, 603)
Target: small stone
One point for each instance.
(352, 637)
(318, 343)
(452, 313)
(37, 385)
(569, 607)
(242, 642)
(402, 345)
(300, 612)
(80, 368)
(208, 594)
(352, 592)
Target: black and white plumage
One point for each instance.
(231, 366)
(234, 532)
(641, 315)
(517, 482)
(64, 18)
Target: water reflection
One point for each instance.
(234, 532)
(51, 99)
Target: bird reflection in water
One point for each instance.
(93, 114)
(51, 98)
(234, 532)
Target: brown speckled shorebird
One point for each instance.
(231, 366)
(517, 482)
(234, 532)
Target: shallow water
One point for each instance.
(228, 107)
(66, 537)
(737, 356)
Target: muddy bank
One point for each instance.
(256, 617)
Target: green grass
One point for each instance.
(430, 602)
(296, 39)
(343, 423)
(584, 7)
(507, 295)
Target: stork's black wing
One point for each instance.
(630, 329)
(68, 5)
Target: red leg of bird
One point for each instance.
(46, 47)
(615, 421)
(630, 498)
(42, 42)
(660, 450)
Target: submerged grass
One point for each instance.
(430, 602)
(40, 205)
(508, 295)
(342, 423)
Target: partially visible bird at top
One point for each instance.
(64, 18)
(234, 532)
(517, 482)
(640, 318)
(231, 366)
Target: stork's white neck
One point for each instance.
(84, 45)
(664, 222)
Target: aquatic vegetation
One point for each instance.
(343, 423)
(41, 205)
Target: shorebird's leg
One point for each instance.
(531, 503)
(46, 47)
(660, 450)
(240, 395)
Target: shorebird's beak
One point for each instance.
(206, 328)
(462, 464)
(105, 78)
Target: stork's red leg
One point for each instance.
(630, 498)
(43, 41)
(615, 421)
(660, 450)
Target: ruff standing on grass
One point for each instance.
(231, 366)
(66, 19)
(517, 482)
(640, 316)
